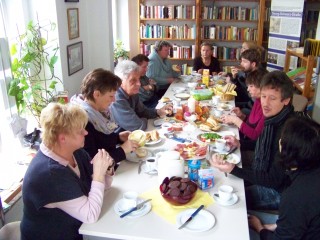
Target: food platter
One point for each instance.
(208, 137)
(192, 151)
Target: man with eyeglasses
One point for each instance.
(127, 110)
(160, 67)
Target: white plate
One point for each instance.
(182, 96)
(146, 171)
(203, 221)
(135, 214)
(132, 157)
(233, 158)
(153, 142)
(226, 133)
(227, 107)
(158, 122)
(230, 202)
(178, 89)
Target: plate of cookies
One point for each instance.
(140, 154)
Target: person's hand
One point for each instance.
(234, 71)
(171, 79)
(232, 142)
(255, 223)
(129, 146)
(101, 162)
(218, 162)
(230, 119)
(124, 136)
(153, 82)
(222, 74)
(200, 71)
(162, 112)
(237, 111)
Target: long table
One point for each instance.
(231, 222)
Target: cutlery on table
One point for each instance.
(171, 136)
(140, 205)
(191, 217)
(140, 165)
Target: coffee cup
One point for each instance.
(216, 100)
(129, 200)
(225, 192)
(217, 112)
(220, 144)
(151, 164)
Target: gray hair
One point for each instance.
(125, 67)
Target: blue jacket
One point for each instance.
(160, 70)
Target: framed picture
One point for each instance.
(75, 57)
(71, 0)
(73, 22)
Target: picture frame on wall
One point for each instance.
(71, 0)
(75, 57)
(73, 23)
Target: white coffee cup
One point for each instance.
(216, 100)
(225, 192)
(217, 112)
(220, 144)
(151, 164)
(129, 200)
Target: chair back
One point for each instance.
(9, 231)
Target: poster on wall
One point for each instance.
(284, 32)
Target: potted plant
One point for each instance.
(33, 59)
(119, 52)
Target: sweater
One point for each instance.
(213, 67)
(130, 113)
(160, 70)
(299, 211)
(47, 181)
(97, 140)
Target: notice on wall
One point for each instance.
(284, 32)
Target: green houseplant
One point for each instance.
(119, 52)
(32, 64)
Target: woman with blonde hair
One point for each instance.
(63, 187)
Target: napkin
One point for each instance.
(168, 211)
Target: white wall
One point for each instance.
(95, 26)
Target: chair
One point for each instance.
(299, 103)
(9, 231)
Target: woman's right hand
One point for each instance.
(129, 146)
(101, 162)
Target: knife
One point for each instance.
(140, 205)
(140, 165)
(191, 217)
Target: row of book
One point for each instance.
(170, 12)
(226, 53)
(173, 32)
(228, 33)
(177, 51)
(230, 13)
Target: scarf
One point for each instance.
(263, 152)
(102, 121)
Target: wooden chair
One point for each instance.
(9, 231)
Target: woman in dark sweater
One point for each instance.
(299, 211)
(98, 92)
(206, 60)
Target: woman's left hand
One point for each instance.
(124, 135)
(255, 223)
(217, 161)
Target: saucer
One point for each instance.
(132, 157)
(202, 222)
(230, 202)
(135, 214)
(147, 171)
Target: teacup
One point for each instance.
(129, 200)
(225, 192)
(216, 100)
(220, 144)
(217, 112)
(151, 164)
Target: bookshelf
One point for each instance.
(301, 77)
(188, 23)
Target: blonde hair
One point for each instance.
(59, 118)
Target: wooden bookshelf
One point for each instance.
(241, 16)
(308, 63)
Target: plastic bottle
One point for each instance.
(193, 168)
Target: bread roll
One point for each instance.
(141, 152)
(165, 99)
